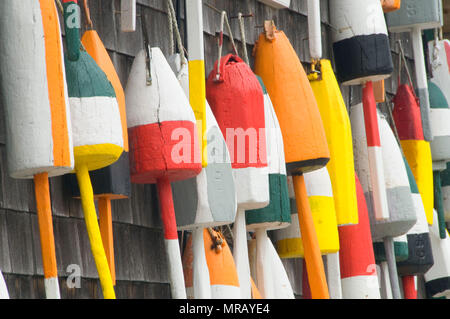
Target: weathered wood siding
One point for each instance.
(140, 259)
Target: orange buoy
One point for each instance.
(305, 144)
(224, 282)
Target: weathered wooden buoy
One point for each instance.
(445, 184)
(237, 101)
(362, 55)
(113, 181)
(339, 136)
(97, 130)
(357, 261)
(277, 214)
(304, 138)
(408, 123)
(437, 278)
(223, 276)
(207, 200)
(163, 142)
(37, 115)
(360, 41)
(390, 5)
(402, 214)
(415, 16)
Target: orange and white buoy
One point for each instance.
(37, 113)
(223, 276)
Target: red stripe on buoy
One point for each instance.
(370, 116)
(409, 287)
(356, 251)
(447, 51)
(406, 113)
(163, 149)
(166, 207)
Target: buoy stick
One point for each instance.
(392, 267)
(315, 35)
(128, 15)
(201, 282)
(409, 287)
(93, 229)
(44, 212)
(106, 230)
(263, 265)
(313, 258)
(438, 203)
(334, 276)
(385, 287)
(375, 156)
(3, 289)
(176, 275)
(197, 86)
(240, 254)
(422, 84)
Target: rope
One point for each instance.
(58, 3)
(174, 28)
(217, 240)
(88, 15)
(224, 19)
(244, 45)
(401, 58)
(170, 24)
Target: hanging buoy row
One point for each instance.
(363, 197)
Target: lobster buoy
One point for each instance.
(339, 137)
(207, 200)
(163, 143)
(37, 115)
(111, 182)
(232, 89)
(223, 277)
(305, 144)
(415, 16)
(402, 215)
(277, 214)
(406, 114)
(361, 46)
(357, 260)
(437, 278)
(362, 55)
(97, 131)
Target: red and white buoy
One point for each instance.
(163, 143)
(357, 260)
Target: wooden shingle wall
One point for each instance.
(138, 239)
